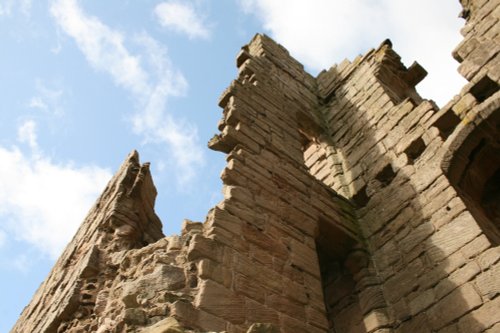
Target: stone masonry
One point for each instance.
(351, 205)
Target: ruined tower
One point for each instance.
(351, 204)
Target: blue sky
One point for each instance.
(85, 82)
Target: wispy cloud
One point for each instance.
(7, 7)
(25, 6)
(103, 47)
(182, 17)
(26, 133)
(158, 126)
(56, 49)
(47, 98)
(36, 102)
(148, 75)
(323, 32)
(44, 202)
(22, 263)
(3, 238)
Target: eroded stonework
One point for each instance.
(351, 204)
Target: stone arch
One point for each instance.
(472, 165)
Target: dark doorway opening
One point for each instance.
(339, 287)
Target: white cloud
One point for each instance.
(182, 17)
(323, 32)
(26, 133)
(149, 76)
(43, 202)
(158, 126)
(103, 47)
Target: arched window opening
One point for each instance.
(475, 173)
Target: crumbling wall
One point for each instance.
(413, 170)
(254, 260)
(351, 204)
(273, 208)
(75, 292)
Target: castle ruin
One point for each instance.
(351, 205)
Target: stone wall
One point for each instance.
(351, 204)
(425, 180)
(273, 207)
(76, 291)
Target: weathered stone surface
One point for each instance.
(167, 325)
(482, 318)
(422, 301)
(135, 316)
(488, 282)
(453, 306)
(351, 204)
(123, 219)
(221, 302)
(453, 236)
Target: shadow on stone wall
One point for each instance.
(420, 237)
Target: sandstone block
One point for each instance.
(316, 318)
(418, 324)
(164, 277)
(452, 236)
(371, 298)
(292, 325)
(249, 288)
(403, 282)
(376, 319)
(268, 278)
(453, 306)
(202, 247)
(135, 316)
(488, 282)
(187, 315)
(304, 257)
(400, 311)
(484, 317)
(416, 236)
(258, 237)
(259, 313)
(210, 270)
(488, 258)
(456, 279)
(221, 302)
(422, 301)
(285, 305)
(477, 246)
(167, 325)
